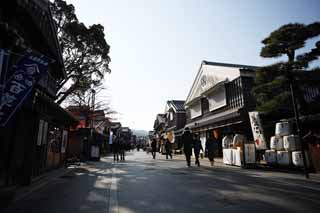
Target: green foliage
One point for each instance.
(287, 39)
(272, 88)
(85, 51)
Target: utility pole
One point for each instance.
(93, 94)
(297, 120)
(296, 115)
(91, 111)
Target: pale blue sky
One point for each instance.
(157, 45)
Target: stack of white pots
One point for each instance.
(285, 148)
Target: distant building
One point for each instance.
(159, 125)
(90, 134)
(175, 114)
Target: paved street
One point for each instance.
(141, 184)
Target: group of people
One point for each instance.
(190, 141)
(167, 145)
(118, 148)
(193, 141)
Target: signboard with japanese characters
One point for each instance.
(257, 131)
(18, 86)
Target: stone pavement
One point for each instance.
(143, 184)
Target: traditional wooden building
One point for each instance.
(90, 136)
(159, 130)
(33, 139)
(219, 100)
(175, 121)
(159, 125)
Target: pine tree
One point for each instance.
(271, 89)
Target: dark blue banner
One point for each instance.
(4, 59)
(17, 88)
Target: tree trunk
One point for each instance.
(291, 55)
(67, 93)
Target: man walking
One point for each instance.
(122, 147)
(115, 149)
(187, 145)
(153, 148)
(196, 148)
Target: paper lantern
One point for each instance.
(215, 134)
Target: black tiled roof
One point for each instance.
(178, 105)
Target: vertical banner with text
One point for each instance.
(25, 73)
(257, 131)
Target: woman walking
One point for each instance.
(168, 149)
(187, 145)
(210, 148)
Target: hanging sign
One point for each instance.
(25, 74)
(257, 131)
(4, 58)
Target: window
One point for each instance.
(204, 105)
(42, 133)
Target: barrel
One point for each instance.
(284, 158)
(291, 143)
(276, 143)
(297, 159)
(270, 156)
(283, 128)
(238, 140)
(226, 142)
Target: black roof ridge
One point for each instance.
(228, 64)
(178, 100)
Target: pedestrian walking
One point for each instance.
(122, 148)
(210, 148)
(168, 148)
(115, 149)
(153, 148)
(187, 145)
(197, 147)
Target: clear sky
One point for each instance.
(157, 45)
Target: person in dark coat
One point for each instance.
(115, 149)
(187, 144)
(210, 148)
(168, 148)
(122, 148)
(197, 146)
(153, 148)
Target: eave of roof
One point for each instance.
(204, 62)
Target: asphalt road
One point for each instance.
(142, 184)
